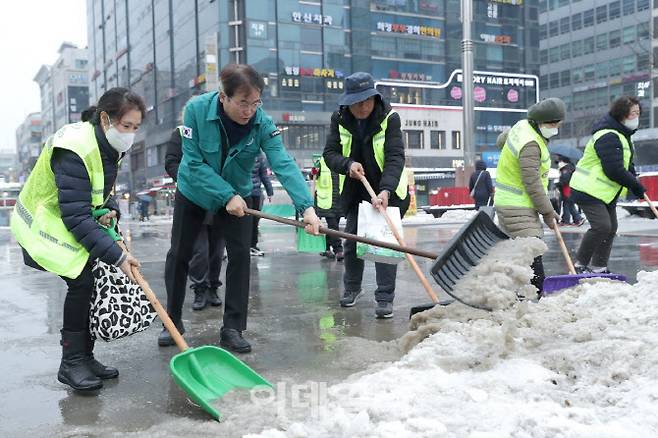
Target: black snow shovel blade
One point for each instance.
(464, 251)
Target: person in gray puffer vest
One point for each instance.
(259, 178)
(522, 177)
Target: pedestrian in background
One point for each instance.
(259, 177)
(602, 176)
(205, 265)
(327, 204)
(223, 133)
(522, 177)
(480, 186)
(365, 139)
(569, 209)
(53, 222)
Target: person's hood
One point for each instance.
(609, 122)
(480, 165)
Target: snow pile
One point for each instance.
(457, 216)
(583, 363)
(503, 274)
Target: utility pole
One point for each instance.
(468, 139)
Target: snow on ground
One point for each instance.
(583, 363)
(456, 216)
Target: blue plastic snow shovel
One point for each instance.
(556, 283)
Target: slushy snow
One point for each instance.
(583, 363)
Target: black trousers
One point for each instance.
(206, 263)
(597, 242)
(385, 273)
(539, 277)
(236, 231)
(331, 241)
(78, 300)
(256, 205)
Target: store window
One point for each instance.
(414, 139)
(456, 139)
(438, 140)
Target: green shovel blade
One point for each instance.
(207, 373)
(310, 243)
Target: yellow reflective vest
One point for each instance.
(510, 191)
(324, 186)
(378, 141)
(36, 220)
(589, 176)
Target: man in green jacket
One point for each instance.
(223, 133)
(522, 176)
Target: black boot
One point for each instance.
(165, 339)
(200, 299)
(212, 297)
(232, 339)
(100, 370)
(74, 369)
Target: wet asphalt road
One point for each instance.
(297, 329)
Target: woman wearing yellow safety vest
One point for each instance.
(365, 139)
(53, 221)
(602, 175)
(522, 176)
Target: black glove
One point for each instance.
(638, 190)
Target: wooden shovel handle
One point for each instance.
(563, 247)
(653, 209)
(344, 235)
(398, 237)
(162, 313)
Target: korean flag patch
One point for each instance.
(187, 132)
(275, 133)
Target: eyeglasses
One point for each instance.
(244, 105)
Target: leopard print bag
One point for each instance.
(119, 307)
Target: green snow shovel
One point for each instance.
(205, 373)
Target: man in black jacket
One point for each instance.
(206, 263)
(365, 139)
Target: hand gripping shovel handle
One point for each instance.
(653, 209)
(344, 235)
(400, 240)
(162, 313)
(563, 247)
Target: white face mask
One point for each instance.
(548, 132)
(120, 141)
(632, 124)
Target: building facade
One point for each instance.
(592, 52)
(166, 51)
(64, 88)
(28, 144)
